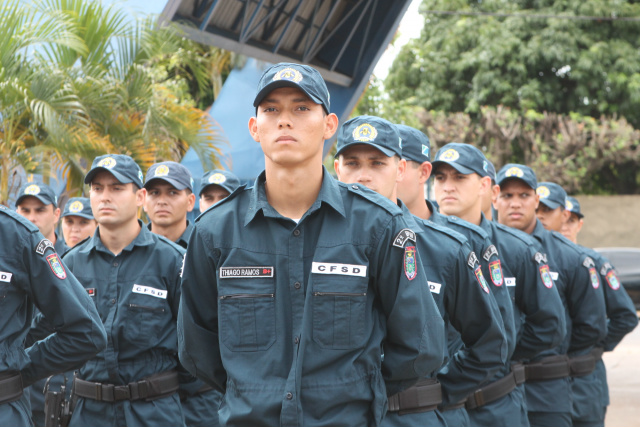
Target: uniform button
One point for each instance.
(115, 264)
(297, 285)
(113, 301)
(296, 233)
(296, 340)
(289, 396)
(355, 187)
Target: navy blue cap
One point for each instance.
(42, 192)
(415, 144)
(465, 158)
(78, 206)
(171, 172)
(370, 130)
(287, 74)
(552, 195)
(491, 170)
(517, 171)
(573, 206)
(220, 177)
(122, 167)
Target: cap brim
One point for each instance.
(176, 184)
(505, 179)
(80, 214)
(386, 151)
(92, 173)
(37, 196)
(219, 185)
(550, 203)
(280, 84)
(457, 166)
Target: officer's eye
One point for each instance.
(303, 108)
(269, 109)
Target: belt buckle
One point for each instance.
(121, 392)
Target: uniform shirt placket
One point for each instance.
(111, 355)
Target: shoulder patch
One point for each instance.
(605, 268)
(588, 262)
(540, 258)
(472, 260)
(545, 275)
(42, 246)
(496, 272)
(593, 275)
(403, 236)
(612, 280)
(491, 251)
(481, 280)
(56, 266)
(410, 265)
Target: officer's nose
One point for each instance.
(284, 121)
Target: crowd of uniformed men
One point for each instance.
(304, 300)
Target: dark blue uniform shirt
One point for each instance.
(291, 319)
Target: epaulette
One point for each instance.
(476, 229)
(460, 238)
(174, 245)
(231, 196)
(373, 197)
(19, 218)
(519, 234)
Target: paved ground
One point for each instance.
(623, 373)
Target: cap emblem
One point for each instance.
(365, 133)
(569, 205)
(162, 170)
(290, 74)
(450, 155)
(543, 192)
(425, 150)
(32, 190)
(107, 162)
(514, 171)
(76, 207)
(140, 176)
(217, 178)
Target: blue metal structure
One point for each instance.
(343, 39)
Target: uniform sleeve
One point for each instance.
(415, 344)
(474, 313)
(544, 324)
(78, 333)
(586, 307)
(621, 313)
(198, 343)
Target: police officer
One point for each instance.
(31, 273)
(462, 181)
(369, 153)
(293, 287)
(590, 392)
(548, 386)
(133, 277)
(216, 185)
(170, 196)
(77, 221)
(39, 204)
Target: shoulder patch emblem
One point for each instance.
(593, 274)
(56, 266)
(612, 280)
(496, 273)
(402, 237)
(472, 260)
(605, 268)
(545, 275)
(540, 258)
(480, 277)
(491, 251)
(43, 245)
(588, 262)
(410, 265)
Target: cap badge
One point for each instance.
(162, 170)
(107, 162)
(543, 192)
(290, 74)
(569, 206)
(514, 171)
(140, 176)
(425, 150)
(450, 155)
(76, 207)
(485, 165)
(217, 178)
(365, 133)
(32, 190)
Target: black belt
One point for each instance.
(150, 388)
(425, 396)
(549, 368)
(497, 389)
(10, 386)
(586, 364)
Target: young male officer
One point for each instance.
(462, 179)
(572, 226)
(31, 273)
(133, 276)
(169, 198)
(39, 204)
(548, 387)
(216, 185)
(368, 153)
(292, 289)
(78, 222)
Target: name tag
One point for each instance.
(435, 287)
(510, 281)
(152, 292)
(5, 277)
(554, 275)
(342, 269)
(245, 272)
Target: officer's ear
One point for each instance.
(566, 214)
(425, 172)
(485, 185)
(330, 125)
(56, 214)
(191, 201)
(253, 129)
(141, 196)
(402, 168)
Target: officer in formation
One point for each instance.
(32, 274)
(293, 290)
(78, 222)
(39, 204)
(216, 185)
(590, 392)
(369, 153)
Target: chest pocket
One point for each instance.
(339, 307)
(246, 308)
(144, 317)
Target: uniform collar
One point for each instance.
(539, 231)
(184, 239)
(144, 238)
(329, 194)
(435, 214)
(484, 223)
